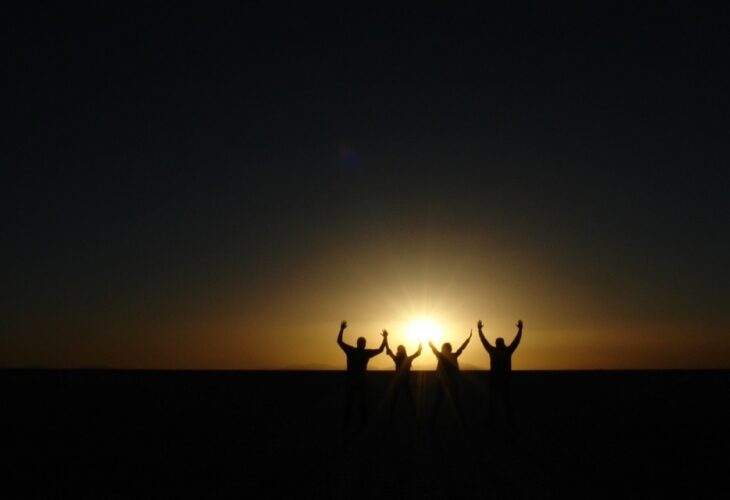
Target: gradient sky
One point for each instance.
(218, 187)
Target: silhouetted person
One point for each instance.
(500, 361)
(355, 381)
(401, 384)
(447, 371)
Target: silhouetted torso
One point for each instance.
(500, 359)
(447, 365)
(403, 363)
(357, 360)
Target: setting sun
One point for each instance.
(423, 330)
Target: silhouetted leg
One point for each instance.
(349, 402)
(393, 400)
(362, 396)
(438, 401)
(356, 396)
(492, 403)
(399, 386)
(456, 400)
(409, 397)
(507, 399)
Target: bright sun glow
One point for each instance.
(422, 330)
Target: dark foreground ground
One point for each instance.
(141, 434)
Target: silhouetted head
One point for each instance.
(401, 350)
(446, 348)
(500, 342)
(361, 343)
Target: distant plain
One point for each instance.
(226, 434)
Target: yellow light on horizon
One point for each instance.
(423, 330)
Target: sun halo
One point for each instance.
(423, 330)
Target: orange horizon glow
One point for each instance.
(293, 324)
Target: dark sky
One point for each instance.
(179, 182)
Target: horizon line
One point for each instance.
(342, 370)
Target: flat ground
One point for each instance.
(148, 434)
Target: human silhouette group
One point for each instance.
(447, 371)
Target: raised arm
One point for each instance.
(463, 346)
(385, 340)
(489, 347)
(388, 351)
(433, 348)
(375, 352)
(518, 337)
(417, 353)
(341, 342)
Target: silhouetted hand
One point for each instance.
(471, 331)
(343, 325)
(480, 325)
(519, 324)
(385, 334)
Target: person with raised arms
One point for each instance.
(447, 371)
(401, 384)
(500, 361)
(355, 381)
